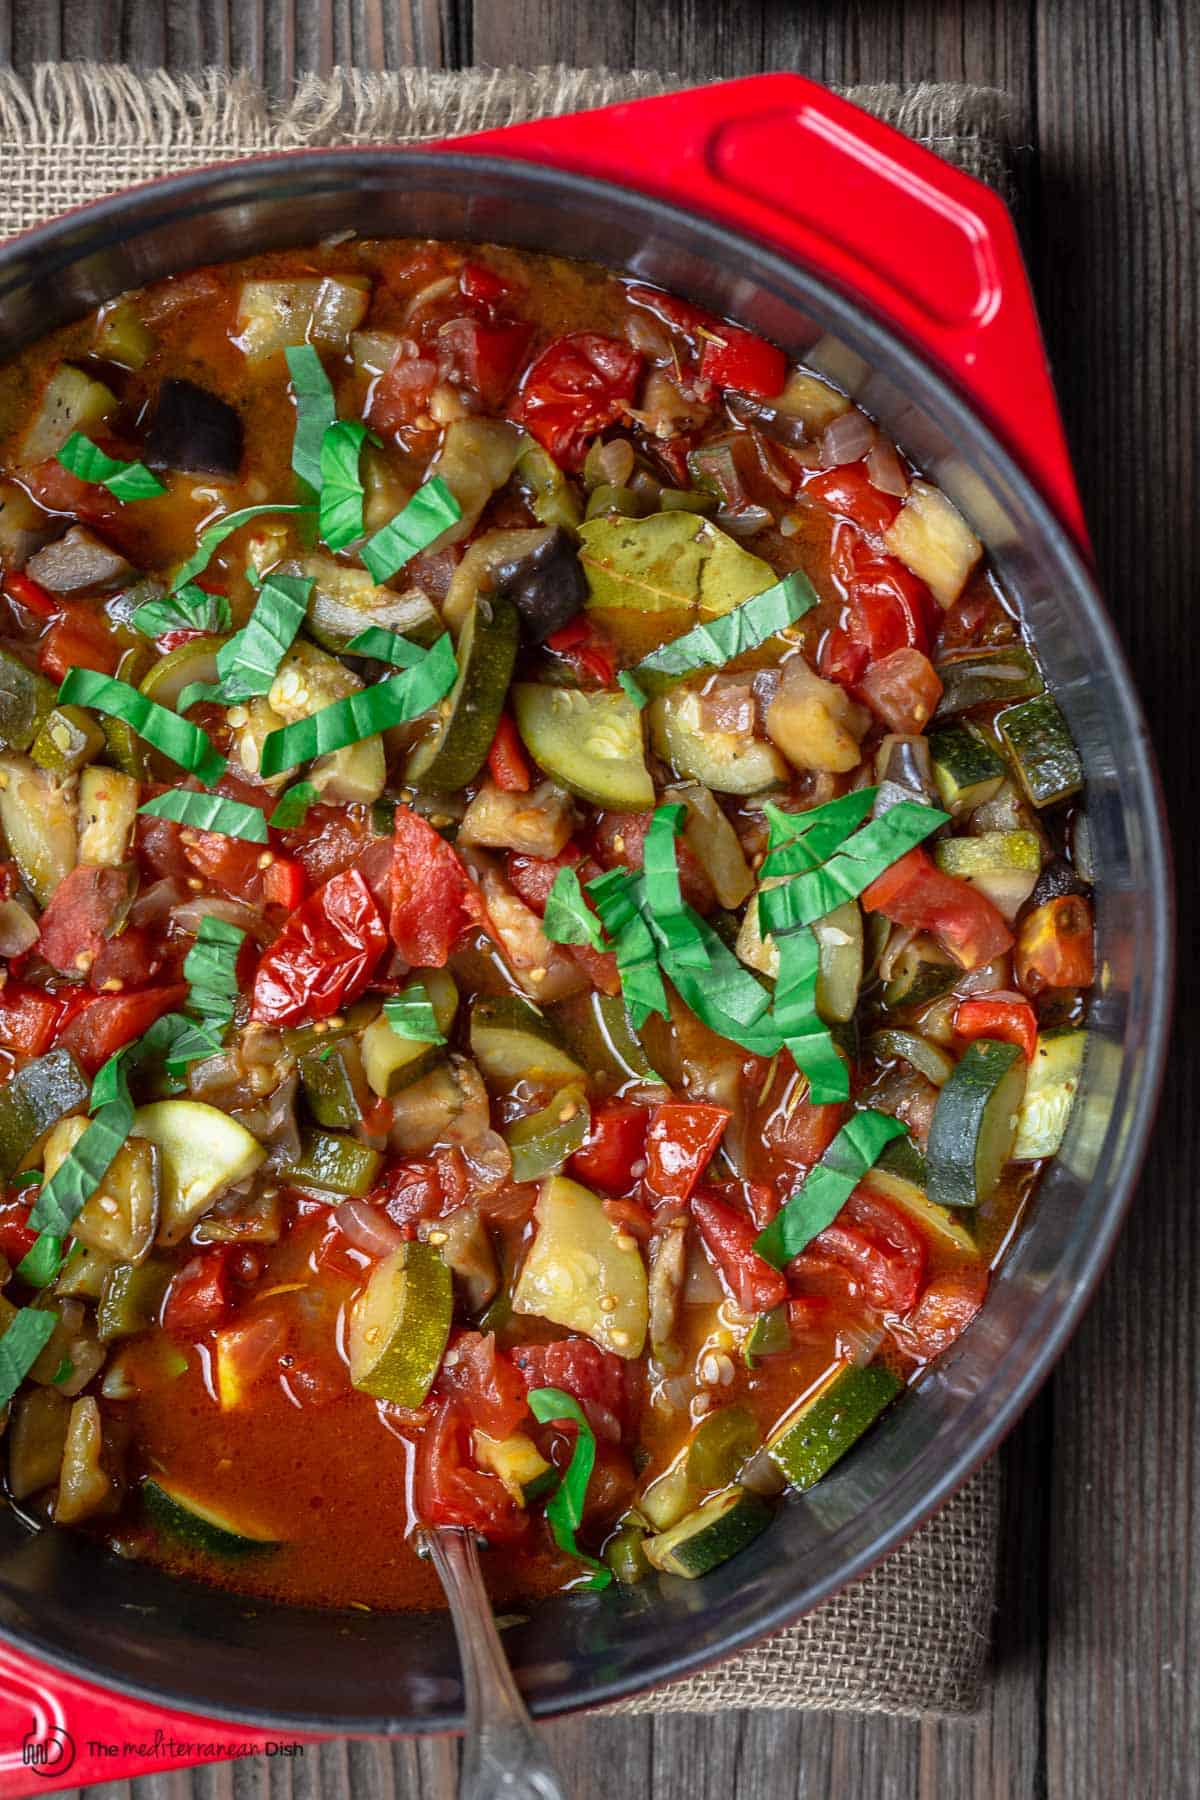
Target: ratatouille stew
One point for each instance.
(544, 916)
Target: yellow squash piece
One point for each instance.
(584, 1272)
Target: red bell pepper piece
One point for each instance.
(943, 1312)
(284, 883)
(324, 956)
(614, 1143)
(77, 640)
(754, 1286)
(507, 762)
(485, 357)
(16, 1237)
(903, 688)
(28, 1018)
(915, 892)
(199, 1297)
(849, 491)
(104, 1023)
(586, 649)
(433, 900)
(483, 286)
(31, 595)
(733, 358)
(679, 1146)
(578, 385)
(1008, 1017)
(889, 608)
(879, 1248)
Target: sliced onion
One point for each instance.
(215, 1074)
(274, 1123)
(209, 906)
(368, 1228)
(993, 978)
(773, 421)
(728, 706)
(154, 904)
(490, 1161)
(762, 1476)
(18, 932)
(648, 336)
(846, 439)
(885, 471)
(614, 461)
(745, 521)
(901, 937)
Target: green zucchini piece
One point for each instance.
(975, 1123)
(121, 1218)
(82, 1275)
(131, 1299)
(199, 1524)
(1050, 1091)
(922, 972)
(542, 1141)
(939, 1221)
(625, 1554)
(523, 1470)
(811, 1439)
(393, 1062)
(26, 699)
(927, 1059)
(584, 1272)
(399, 1325)
(345, 601)
(710, 1535)
(36, 1098)
(769, 1335)
(194, 661)
(333, 1162)
(67, 740)
(669, 1497)
(37, 817)
(335, 1086)
(598, 1033)
(203, 1150)
(1004, 865)
(122, 337)
(512, 1041)
(1041, 747)
(724, 1440)
(965, 767)
(546, 491)
(590, 743)
(728, 762)
(486, 652)
(982, 677)
(37, 1437)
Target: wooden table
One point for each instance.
(1095, 1687)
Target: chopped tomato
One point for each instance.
(728, 1237)
(532, 878)
(790, 1130)
(284, 883)
(31, 595)
(485, 358)
(875, 1241)
(587, 650)
(433, 900)
(77, 639)
(28, 1017)
(338, 1255)
(483, 286)
(903, 689)
(849, 490)
(229, 863)
(485, 1382)
(600, 1381)
(679, 1146)
(401, 395)
(944, 1311)
(1055, 948)
(54, 487)
(324, 956)
(888, 606)
(840, 659)
(628, 1216)
(451, 1491)
(915, 892)
(83, 930)
(107, 1022)
(507, 762)
(16, 1237)
(199, 1297)
(733, 358)
(615, 1142)
(1008, 1017)
(579, 384)
(331, 839)
(619, 840)
(411, 1191)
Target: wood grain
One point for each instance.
(1094, 1688)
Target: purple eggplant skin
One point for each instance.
(194, 432)
(547, 586)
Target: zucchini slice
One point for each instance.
(393, 1062)
(486, 652)
(399, 1325)
(523, 1470)
(37, 817)
(1004, 865)
(590, 743)
(919, 1053)
(335, 1085)
(975, 1123)
(922, 972)
(1049, 1093)
(809, 1442)
(512, 1041)
(728, 762)
(26, 699)
(542, 1141)
(981, 677)
(203, 1152)
(194, 661)
(584, 1272)
(965, 767)
(710, 1535)
(199, 1524)
(1042, 749)
(333, 1162)
(37, 1097)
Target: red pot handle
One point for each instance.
(926, 247)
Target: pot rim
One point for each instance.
(113, 219)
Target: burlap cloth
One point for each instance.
(912, 1636)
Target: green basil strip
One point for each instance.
(191, 609)
(42, 1261)
(63, 1197)
(249, 662)
(795, 1011)
(726, 996)
(175, 738)
(410, 1014)
(568, 918)
(213, 536)
(671, 921)
(564, 1509)
(24, 1338)
(860, 860)
(293, 806)
(820, 1197)
(189, 1042)
(315, 410)
(362, 715)
(616, 896)
(209, 812)
(798, 842)
(386, 646)
(26, 1178)
(341, 512)
(742, 628)
(637, 694)
(211, 968)
(124, 480)
(432, 510)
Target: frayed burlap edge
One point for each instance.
(911, 1637)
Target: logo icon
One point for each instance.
(48, 1753)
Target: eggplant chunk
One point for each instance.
(78, 563)
(547, 586)
(194, 431)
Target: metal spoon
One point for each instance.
(504, 1757)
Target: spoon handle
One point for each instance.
(503, 1756)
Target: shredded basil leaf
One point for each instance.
(616, 896)
(124, 480)
(853, 867)
(795, 1010)
(672, 921)
(176, 738)
(209, 812)
(42, 1261)
(432, 510)
(213, 536)
(362, 715)
(386, 646)
(820, 1197)
(211, 968)
(315, 410)
(410, 1014)
(341, 514)
(22, 1342)
(564, 1509)
(568, 918)
(62, 1198)
(293, 806)
(26, 1178)
(191, 609)
(637, 694)
(743, 628)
